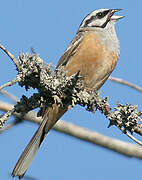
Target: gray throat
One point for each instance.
(108, 37)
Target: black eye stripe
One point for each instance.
(102, 14)
(99, 15)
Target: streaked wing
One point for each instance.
(71, 50)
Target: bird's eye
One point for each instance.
(100, 15)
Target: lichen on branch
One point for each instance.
(55, 87)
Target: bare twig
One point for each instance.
(130, 136)
(93, 137)
(10, 83)
(138, 130)
(4, 128)
(133, 138)
(11, 96)
(10, 55)
(5, 117)
(8, 126)
(121, 81)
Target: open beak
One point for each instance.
(114, 17)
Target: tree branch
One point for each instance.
(130, 136)
(8, 94)
(10, 55)
(54, 87)
(124, 82)
(10, 83)
(84, 134)
(10, 125)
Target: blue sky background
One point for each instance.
(48, 27)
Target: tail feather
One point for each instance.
(51, 116)
(27, 156)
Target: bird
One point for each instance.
(94, 53)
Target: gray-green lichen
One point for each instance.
(55, 87)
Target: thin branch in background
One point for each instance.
(96, 138)
(10, 95)
(10, 55)
(124, 148)
(10, 125)
(10, 83)
(7, 127)
(121, 81)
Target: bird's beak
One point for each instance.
(114, 17)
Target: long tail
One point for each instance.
(50, 118)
